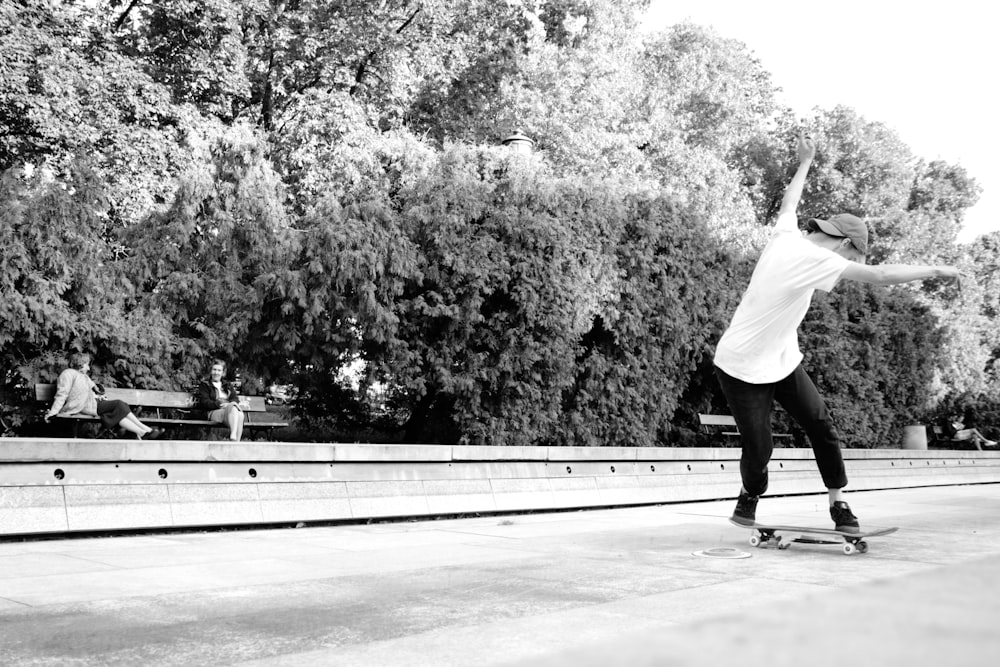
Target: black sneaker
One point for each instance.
(843, 517)
(746, 509)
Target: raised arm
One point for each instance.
(806, 150)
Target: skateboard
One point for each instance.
(850, 542)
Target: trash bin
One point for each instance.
(915, 436)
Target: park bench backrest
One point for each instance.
(717, 420)
(152, 398)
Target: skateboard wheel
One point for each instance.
(849, 549)
(754, 540)
(862, 547)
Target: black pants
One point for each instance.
(751, 406)
(112, 412)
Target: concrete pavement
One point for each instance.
(628, 586)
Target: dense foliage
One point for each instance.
(315, 191)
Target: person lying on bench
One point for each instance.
(220, 401)
(78, 394)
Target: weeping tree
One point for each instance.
(201, 263)
(64, 286)
(496, 302)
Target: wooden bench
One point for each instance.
(725, 425)
(169, 409)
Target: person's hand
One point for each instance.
(954, 275)
(48, 418)
(806, 148)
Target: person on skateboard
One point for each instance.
(757, 360)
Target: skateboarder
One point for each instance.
(757, 360)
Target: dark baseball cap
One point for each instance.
(845, 225)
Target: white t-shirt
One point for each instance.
(761, 344)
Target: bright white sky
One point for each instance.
(925, 69)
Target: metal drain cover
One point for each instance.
(721, 552)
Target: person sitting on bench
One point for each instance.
(957, 430)
(220, 401)
(78, 394)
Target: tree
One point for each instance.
(202, 262)
(705, 116)
(328, 149)
(710, 90)
(944, 189)
(873, 353)
(984, 259)
(563, 72)
(861, 167)
(194, 48)
(68, 94)
(61, 286)
(499, 302)
(672, 296)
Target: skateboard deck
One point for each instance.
(764, 533)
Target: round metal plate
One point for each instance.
(721, 552)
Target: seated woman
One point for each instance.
(973, 434)
(220, 401)
(77, 394)
(956, 430)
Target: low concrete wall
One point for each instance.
(68, 485)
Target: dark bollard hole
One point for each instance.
(652, 468)
(612, 468)
(162, 473)
(59, 474)
(253, 472)
(569, 470)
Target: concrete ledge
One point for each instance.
(72, 485)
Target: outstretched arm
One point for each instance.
(806, 150)
(893, 274)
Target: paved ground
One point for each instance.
(608, 587)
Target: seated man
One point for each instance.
(220, 401)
